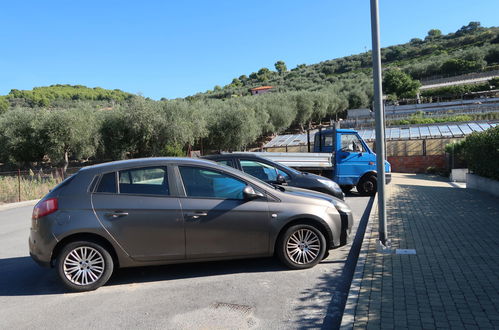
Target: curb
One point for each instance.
(18, 204)
(348, 318)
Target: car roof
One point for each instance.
(150, 161)
(233, 155)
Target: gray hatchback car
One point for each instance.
(157, 211)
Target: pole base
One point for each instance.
(384, 248)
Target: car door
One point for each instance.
(219, 222)
(136, 208)
(352, 158)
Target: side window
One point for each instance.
(351, 143)
(107, 183)
(226, 162)
(259, 170)
(328, 140)
(201, 182)
(144, 181)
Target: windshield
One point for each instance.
(247, 176)
(292, 170)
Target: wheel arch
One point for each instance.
(367, 174)
(319, 224)
(92, 237)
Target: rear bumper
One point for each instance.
(40, 250)
(40, 262)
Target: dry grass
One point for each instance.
(32, 187)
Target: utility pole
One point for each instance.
(379, 112)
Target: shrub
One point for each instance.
(482, 153)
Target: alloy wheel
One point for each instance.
(303, 246)
(84, 265)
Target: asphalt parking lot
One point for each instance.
(244, 294)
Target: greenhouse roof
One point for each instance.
(413, 132)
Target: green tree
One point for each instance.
(19, 137)
(232, 128)
(280, 66)
(433, 34)
(400, 84)
(69, 134)
(357, 99)
(264, 74)
(236, 83)
(304, 108)
(4, 104)
(470, 28)
(459, 65)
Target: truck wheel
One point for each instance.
(84, 266)
(368, 185)
(301, 246)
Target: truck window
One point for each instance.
(351, 143)
(327, 140)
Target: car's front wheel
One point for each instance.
(301, 246)
(84, 266)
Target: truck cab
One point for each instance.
(354, 163)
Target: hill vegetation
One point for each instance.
(63, 122)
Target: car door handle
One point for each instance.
(116, 214)
(196, 215)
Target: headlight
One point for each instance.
(330, 184)
(340, 206)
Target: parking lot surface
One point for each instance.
(242, 294)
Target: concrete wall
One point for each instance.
(416, 164)
(458, 174)
(477, 182)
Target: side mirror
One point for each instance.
(249, 193)
(280, 179)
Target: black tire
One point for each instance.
(368, 185)
(84, 266)
(347, 188)
(309, 251)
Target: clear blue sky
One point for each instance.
(177, 48)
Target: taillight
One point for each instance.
(44, 208)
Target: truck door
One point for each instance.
(352, 159)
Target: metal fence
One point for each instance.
(21, 185)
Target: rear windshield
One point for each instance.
(64, 183)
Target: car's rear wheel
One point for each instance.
(301, 246)
(84, 266)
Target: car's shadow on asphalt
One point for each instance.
(353, 193)
(192, 270)
(21, 276)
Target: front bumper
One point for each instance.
(388, 178)
(346, 227)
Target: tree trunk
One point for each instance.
(66, 162)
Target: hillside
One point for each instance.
(62, 96)
(472, 48)
(62, 122)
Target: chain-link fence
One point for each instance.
(22, 185)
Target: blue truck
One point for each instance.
(353, 162)
(339, 154)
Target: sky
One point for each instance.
(174, 49)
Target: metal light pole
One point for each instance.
(380, 122)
